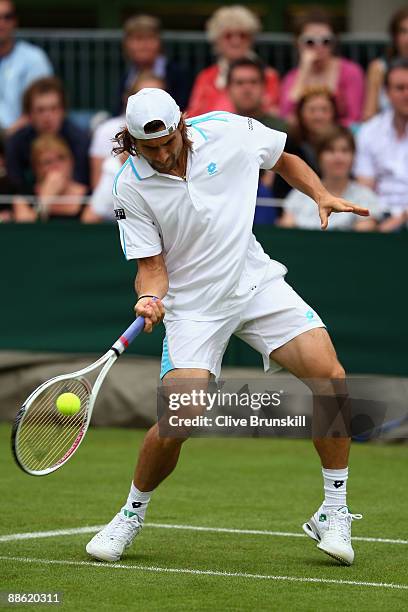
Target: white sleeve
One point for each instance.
(263, 143)
(364, 162)
(139, 234)
(102, 199)
(101, 143)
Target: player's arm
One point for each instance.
(151, 279)
(300, 176)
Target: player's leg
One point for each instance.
(157, 459)
(159, 455)
(281, 325)
(311, 356)
(192, 351)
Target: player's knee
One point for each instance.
(337, 372)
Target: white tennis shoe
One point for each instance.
(109, 543)
(332, 530)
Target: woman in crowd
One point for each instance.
(318, 65)
(59, 196)
(315, 115)
(376, 97)
(335, 153)
(231, 30)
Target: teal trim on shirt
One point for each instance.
(166, 363)
(135, 172)
(115, 182)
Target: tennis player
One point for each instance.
(185, 202)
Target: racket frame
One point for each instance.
(107, 360)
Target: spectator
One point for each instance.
(246, 88)
(100, 206)
(231, 29)
(246, 83)
(59, 195)
(382, 149)
(45, 106)
(20, 64)
(318, 66)
(143, 50)
(335, 153)
(101, 145)
(316, 114)
(376, 97)
(7, 188)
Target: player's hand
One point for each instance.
(329, 204)
(152, 311)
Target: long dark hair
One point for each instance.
(394, 28)
(126, 143)
(299, 132)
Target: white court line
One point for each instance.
(78, 530)
(181, 570)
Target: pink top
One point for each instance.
(349, 93)
(207, 96)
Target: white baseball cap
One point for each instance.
(151, 104)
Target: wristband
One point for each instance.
(144, 296)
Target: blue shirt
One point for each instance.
(18, 69)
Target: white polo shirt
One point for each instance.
(202, 225)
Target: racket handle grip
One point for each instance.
(128, 335)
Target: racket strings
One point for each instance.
(45, 436)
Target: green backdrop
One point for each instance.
(68, 288)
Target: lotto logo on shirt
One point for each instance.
(212, 168)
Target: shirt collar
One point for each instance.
(389, 117)
(141, 167)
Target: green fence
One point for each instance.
(90, 62)
(68, 288)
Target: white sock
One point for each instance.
(335, 487)
(137, 502)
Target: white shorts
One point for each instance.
(274, 315)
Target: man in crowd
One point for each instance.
(246, 88)
(143, 50)
(45, 106)
(382, 150)
(20, 64)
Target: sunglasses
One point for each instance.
(323, 41)
(236, 34)
(7, 16)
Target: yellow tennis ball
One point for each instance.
(68, 404)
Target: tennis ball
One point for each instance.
(68, 404)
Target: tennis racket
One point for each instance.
(42, 438)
